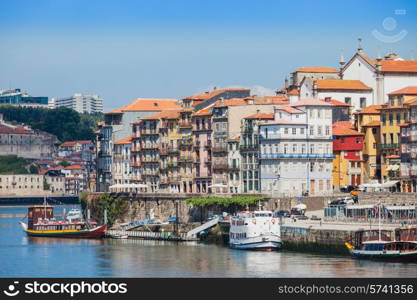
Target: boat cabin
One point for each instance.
(370, 235)
(37, 213)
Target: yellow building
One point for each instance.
(368, 122)
(393, 114)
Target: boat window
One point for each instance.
(374, 247)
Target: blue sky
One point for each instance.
(126, 49)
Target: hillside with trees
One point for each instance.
(65, 123)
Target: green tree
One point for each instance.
(64, 163)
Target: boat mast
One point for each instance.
(44, 207)
(379, 222)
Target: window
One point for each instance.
(362, 102)
(358, 140)
(327, 130)
(285, 148)
(342, 140)
(286, 130)
(319, 130)
(374, 130)
(348, 100)
(303, 148)
(294, 131)
(302, 130)
(398, 118)
(318, 113)
(311, 130)
(312, 167)
(294, 148)
(312, 148)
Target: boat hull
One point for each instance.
(262, 243)
(97, 232)
(393, 257)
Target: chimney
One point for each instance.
(342, 64)
(286, 83)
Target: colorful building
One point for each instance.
(348, 161)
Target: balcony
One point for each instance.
(147, 131)
(219, 149)
(253, 147)
(295, 155)
(150, 160)
(173, 149)
(185, 142)
(173, 164)
(150, 146)
(174, 179)
(185, 158)
(207, 144)
(388, 146)
(185, 124)
(220, 165)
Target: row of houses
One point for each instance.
(324, 129)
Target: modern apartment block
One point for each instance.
(81, 103)
(17, 97)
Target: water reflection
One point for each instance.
(24, 256)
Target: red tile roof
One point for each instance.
(289, 109)
(14, 130)
(345, 124)
(393, 156)
(371, 110)
(260, 116)
(409, 90)
(317, 70)
(168, 114)
(294, 92)
(404, 125)
(202, 112)
(341, 84)
(345, 131)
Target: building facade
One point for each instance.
(81, 103)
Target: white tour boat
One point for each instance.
(257, 230)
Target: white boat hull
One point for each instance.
(257, 243)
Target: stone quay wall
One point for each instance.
(163, 206)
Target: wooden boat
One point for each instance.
(41, 222)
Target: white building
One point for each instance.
(383, 75)
(80, 103)
(121, 167)
(296, 150)
(351, 92)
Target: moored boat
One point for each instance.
(41, 222)
(258, 230)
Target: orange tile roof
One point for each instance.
(202, 112)
(317, 70)
(341, 84)
(371, 109)
(393, 156)
(294, 92)
(126, 140)
(73, 143)
(14, 130)
(208, 95)
(281, 99)
(261, 116)
(310, 102)
(404, 125)
(336, 102)
(409, 90)
(148, 104)
(373, 124)
(231, 102)
(399, 66)
(168, 114)
(346, 124)
(74, 167)
(345, 131)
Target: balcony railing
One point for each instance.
(294, 155)
(150, 159)
(185, 158)
(186, 142)
(219, 149)
(185, 124)
(388, 146)
(252, 147)
(147, 131)
(150, 146)
(174, 179)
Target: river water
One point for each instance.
(22, 256)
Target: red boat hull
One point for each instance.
(95, 233)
